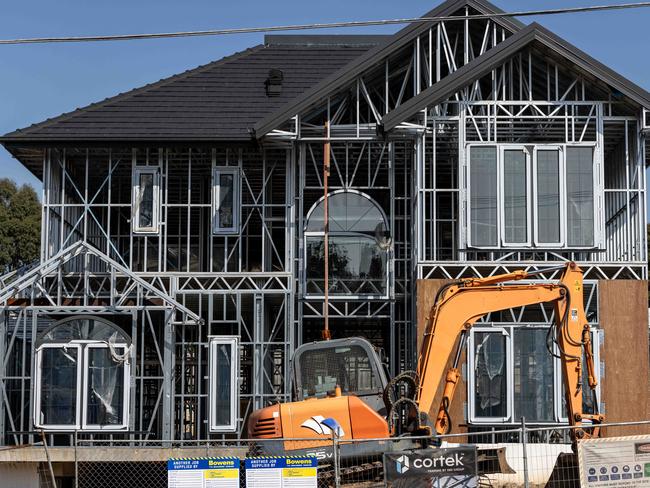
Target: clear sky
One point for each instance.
(41, 81)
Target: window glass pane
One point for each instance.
(580, 196)
(145, 201)
(348, 367)
(105, 395)
(348, 212)
(84, 329)
(226, 200)
(483, 195)
(58, 386)
(515, 190)
(533, 376)
(548, 196)
(357, 265)
(490, 395)
(222, 378)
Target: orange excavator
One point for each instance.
(341, 389)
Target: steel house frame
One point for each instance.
(399, 120)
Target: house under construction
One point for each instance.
(183, 236)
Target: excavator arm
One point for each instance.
(459, 305)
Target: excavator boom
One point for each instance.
(460, 305)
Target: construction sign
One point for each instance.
(281, 472)
(615, 462)
(431, 467)
(209, 472)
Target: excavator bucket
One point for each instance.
(565, 471)
(492, 460)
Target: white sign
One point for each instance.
(281, 472)
(615, 462)
(211, 472)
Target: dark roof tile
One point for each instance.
(220, 100)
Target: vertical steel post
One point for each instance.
(326, 227)
(168, 376)
(337, 464)
(524, 450)
(47, 456)
(76, 465)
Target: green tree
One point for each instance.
(20, 225)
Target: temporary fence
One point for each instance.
(519, 456)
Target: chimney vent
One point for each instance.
(274, 83)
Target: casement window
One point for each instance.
(224, 383)
(511, 375)
(81, 377)
(146, 199)
(226, 204)
(532, 196)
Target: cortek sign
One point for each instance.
(423, 466)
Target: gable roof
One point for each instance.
(347, 74)
(221, 100)
(482, 65)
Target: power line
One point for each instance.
(298, 27)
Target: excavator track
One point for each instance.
(356, 476)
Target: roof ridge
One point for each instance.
(135, 91)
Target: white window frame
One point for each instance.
(306, 235)
(562, 192)
(37, 386)
(125, 386)
(558, 383)
(501, 218)
(471, 364)
(217, 171)
(532, 233)
(81, 385)
(213, 344)
(135, 214)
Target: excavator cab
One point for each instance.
(351, 364)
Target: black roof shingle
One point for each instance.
(221, 100)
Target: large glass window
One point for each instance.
(520, 196)
(580, 196)
(225, 200)
(547, 196)
(513, 376)
(224, 381)
(533, 383)
(490, 394)
(359, 243)
(146, 188)
(105, 385)
(515, 196)
(483, 195)
(58, 386)
(82, 376)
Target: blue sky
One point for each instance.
(41, 81)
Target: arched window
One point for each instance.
(82, 376)
(359, 242)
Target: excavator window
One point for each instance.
(350, 363)
(348, 367)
